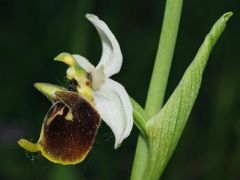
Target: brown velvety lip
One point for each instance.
(69, 140)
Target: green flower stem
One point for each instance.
(164, 56)
(140, 117)
(159, 78)
(140, 159)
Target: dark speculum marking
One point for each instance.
(70, 140)
(72, 85)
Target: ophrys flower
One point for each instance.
(70, 126)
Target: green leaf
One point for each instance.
(165, 128)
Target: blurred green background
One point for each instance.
(32, 33)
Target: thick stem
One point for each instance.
(164, 56)
(140, 159)
(159, 78)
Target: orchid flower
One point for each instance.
(70, 126)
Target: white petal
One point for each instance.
(111, 53)
(114, 106)
(84, 63)
(98, 77)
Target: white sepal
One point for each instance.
(114, 106)
(111, 53)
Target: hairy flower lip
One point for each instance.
(67, 141)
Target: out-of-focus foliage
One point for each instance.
(32, 33)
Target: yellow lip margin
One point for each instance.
(37, 147)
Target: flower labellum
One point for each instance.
(70, 126)
(68, 131)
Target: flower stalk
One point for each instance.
(140, 117)
(159, 78)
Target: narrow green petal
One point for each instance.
(66, 58)
(165, 129)
(48, 89)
